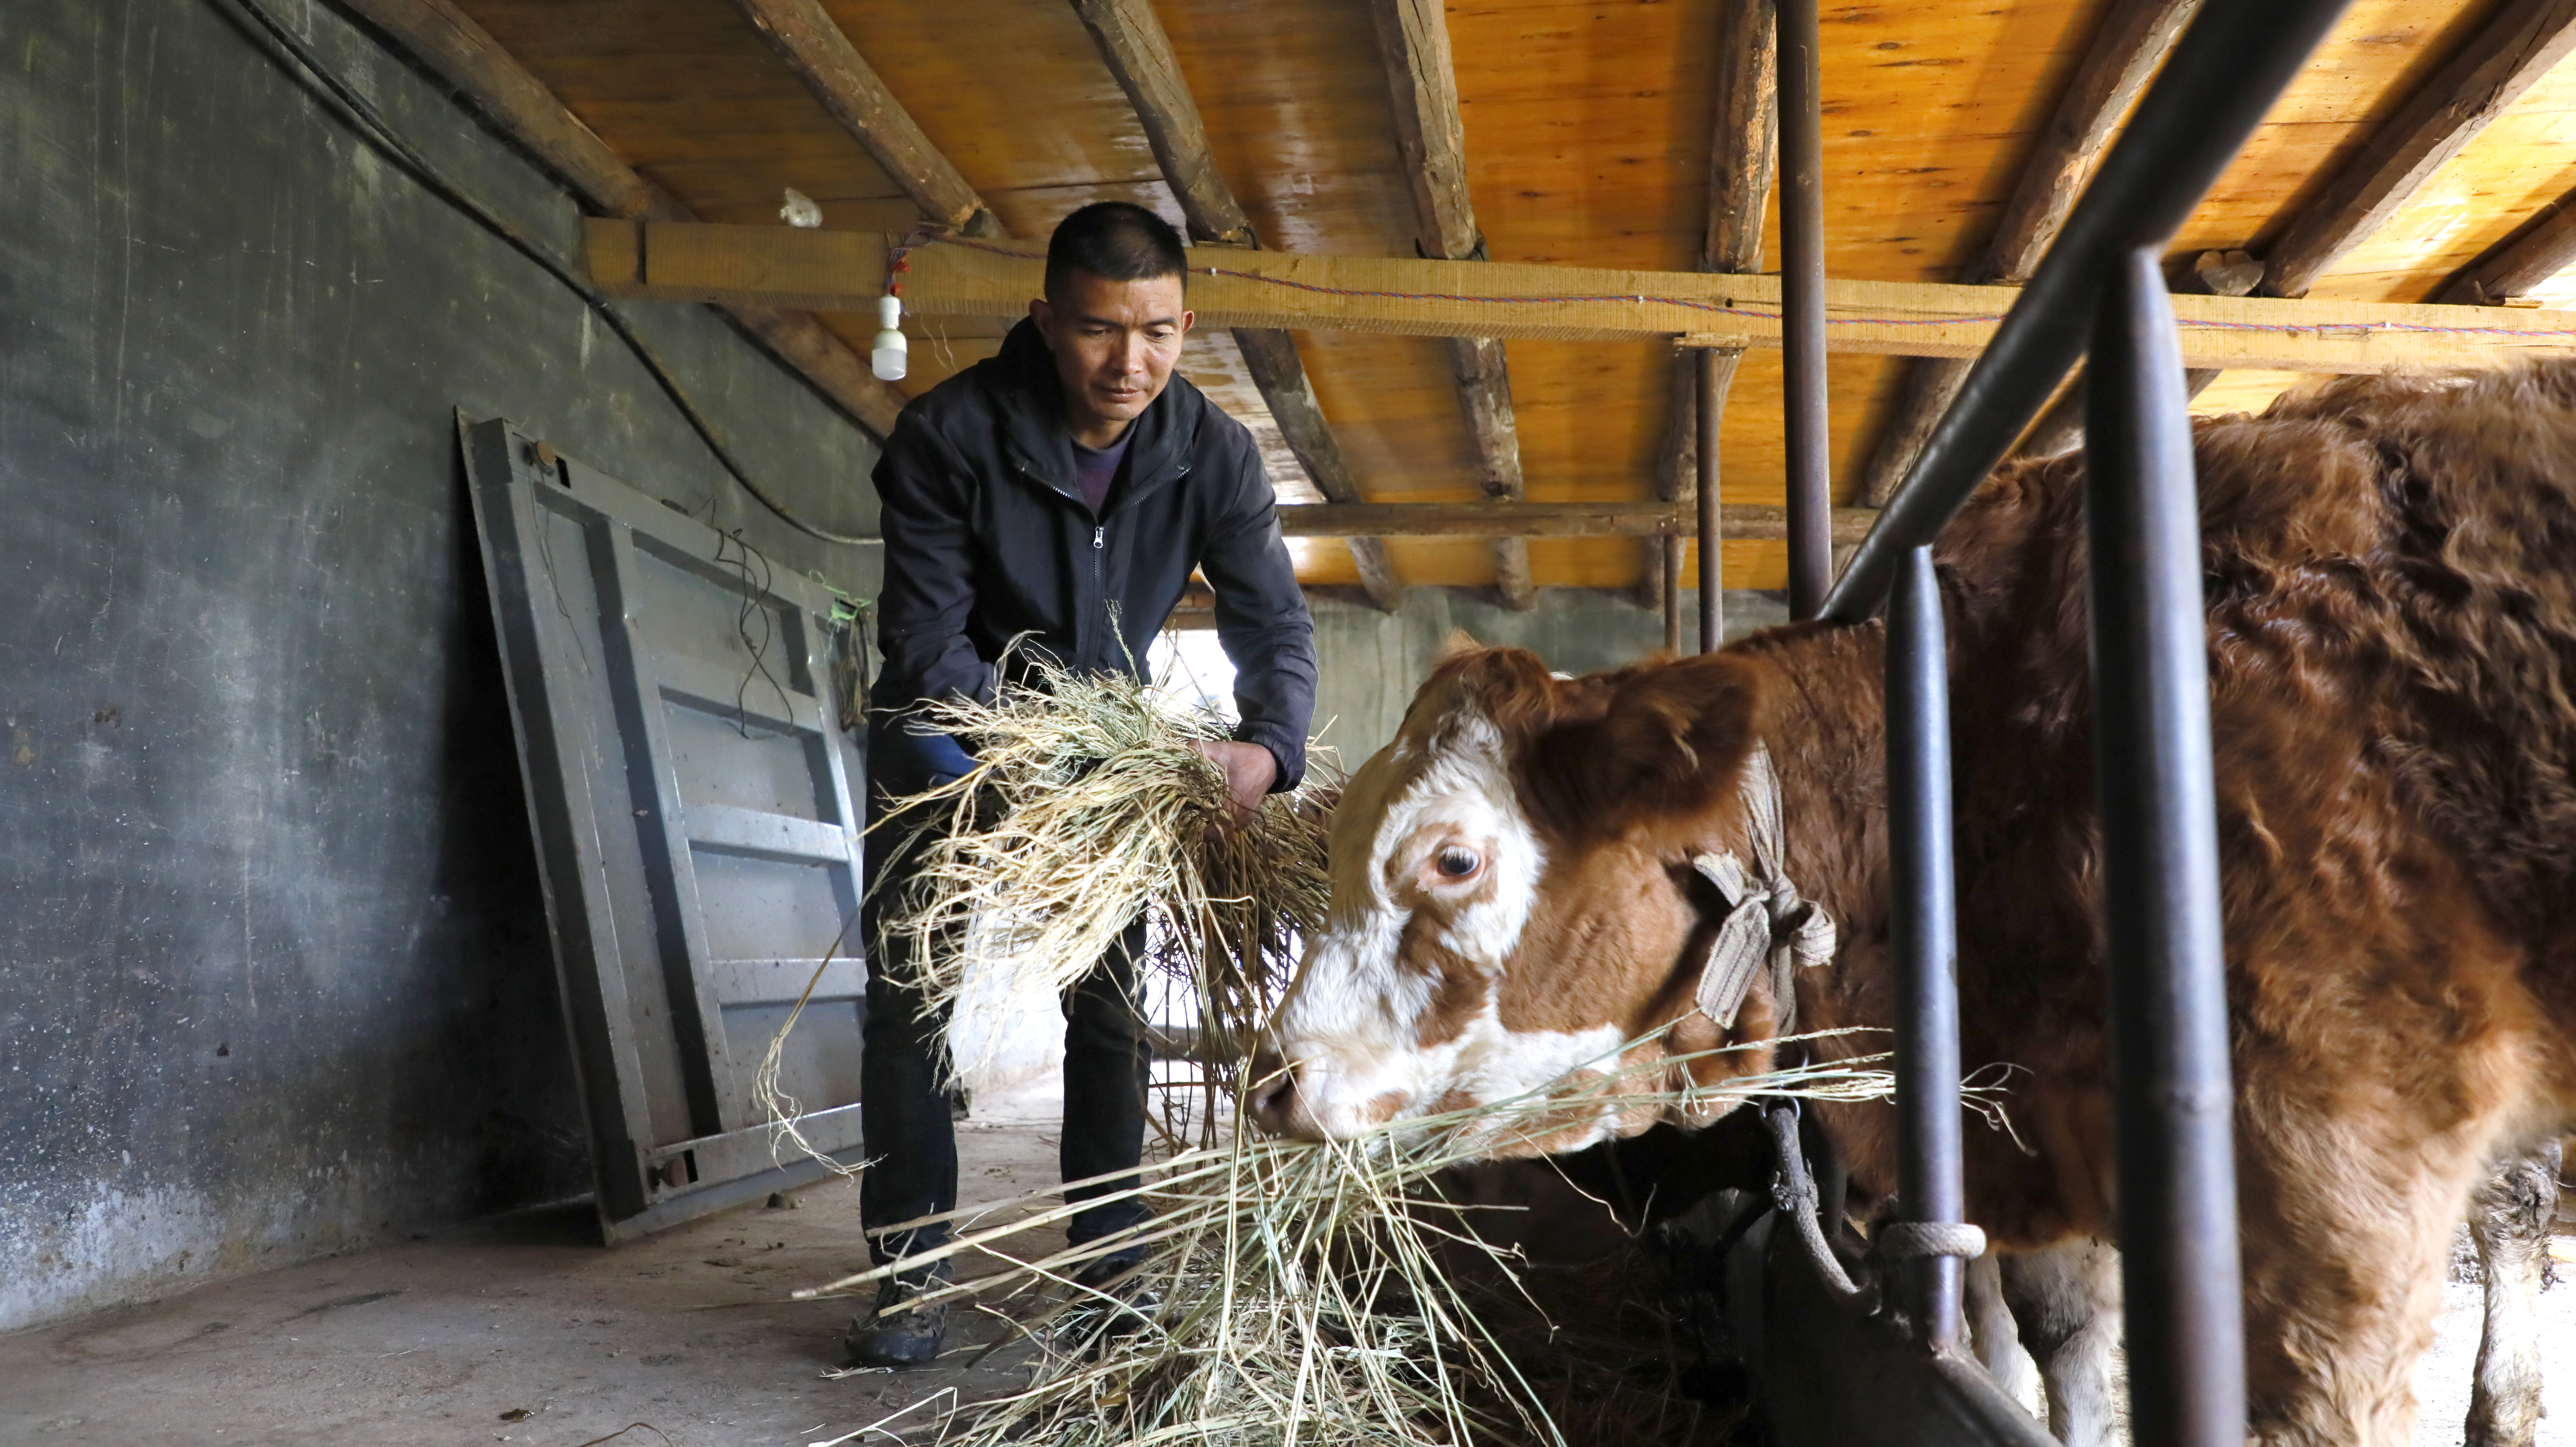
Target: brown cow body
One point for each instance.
(2391, 578)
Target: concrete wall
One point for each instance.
(273, 976)
(1370, 662)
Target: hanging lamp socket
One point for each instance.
(886, 354)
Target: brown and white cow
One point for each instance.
(2391, 587)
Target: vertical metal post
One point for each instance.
(1672, 554)
(1712, 566)
(2157, 794)
(1925, 934)
(1802, 311)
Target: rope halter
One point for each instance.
(1766, 921)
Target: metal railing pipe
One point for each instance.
(1712, 567)
(1925, 936)
(2156, 788)
(1802, 310)
(2224, 74)
(1671, 596)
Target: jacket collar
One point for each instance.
(1031, 399)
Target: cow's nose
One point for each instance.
(1274, 1093)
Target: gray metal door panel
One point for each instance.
(692, 805)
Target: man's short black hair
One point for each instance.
(1117, 241)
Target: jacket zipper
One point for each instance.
(1100, 577)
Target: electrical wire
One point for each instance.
(308, 71)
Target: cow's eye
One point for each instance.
(1456, 863)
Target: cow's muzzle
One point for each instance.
(1276, 1105)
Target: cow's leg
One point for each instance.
(2345, 1223)
(2067, 1301)
(1998, 1339)
(2510, 1222)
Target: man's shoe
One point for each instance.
(898, 1334)
(1093, 1323)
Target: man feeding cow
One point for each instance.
(1045, 509)
(2391, 590)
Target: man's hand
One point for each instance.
(1249, 772)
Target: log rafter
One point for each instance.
(2512, 51)
(2126, 51)
(805, 36)
(2513, 268)
(1139, 55)
(2508, 54)
(453, 47)
(1431, 135)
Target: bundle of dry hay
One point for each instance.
(1317, 1294)
(1089, 807)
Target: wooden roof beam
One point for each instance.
(1743, 155)
(1413, 44)
(1391, 296)
(2126, 51)
(2521, 262)
(1548, 520)
(1139, 54)
(448, 42)
(844, 270)
(2514, 49)
(841, 80)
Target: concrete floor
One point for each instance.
(525, 1332)
(522, 1331)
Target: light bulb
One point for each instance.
(886, 353)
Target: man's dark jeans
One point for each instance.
(904, 1117)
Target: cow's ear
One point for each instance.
(1459, 642)
(1509, 688)
(1669, 746)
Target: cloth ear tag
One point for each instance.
(1743, 943)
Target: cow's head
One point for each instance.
(1513, 899)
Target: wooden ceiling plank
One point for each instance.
(843, 83)
(2125, 54)
(1413, 45)
(2501, 61)
(1744, 521)
(1743, 159)
(2519, 264)
(1139, 54)
(448, 41)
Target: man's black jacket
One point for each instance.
(987, 538)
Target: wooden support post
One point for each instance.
(1716, 370)
(1742, 158)
(2514, 49)
(1139, 54)
(1413, 45)
(2127, 48)
(1804, 413)
(446, 40)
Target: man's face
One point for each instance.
(1114, 344)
